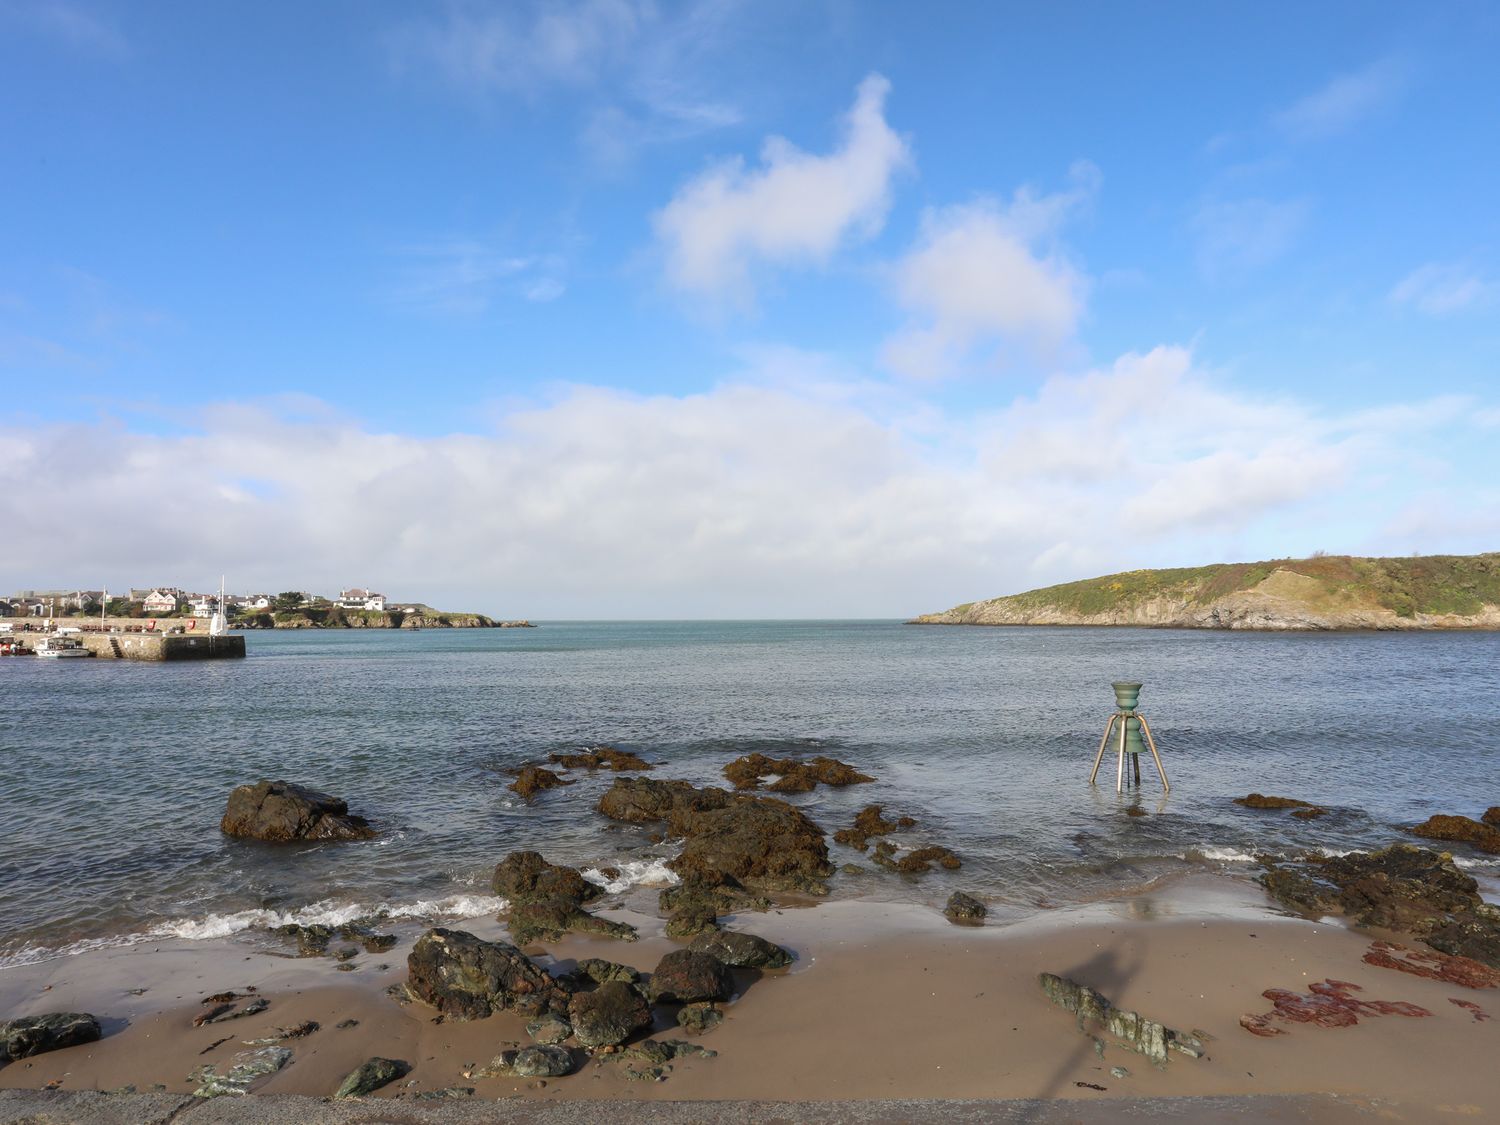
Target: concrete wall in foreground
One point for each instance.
(197, 645)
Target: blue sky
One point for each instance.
(616, 308)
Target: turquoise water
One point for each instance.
(113, 775)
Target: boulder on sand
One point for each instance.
(279, 812)
(35, 1035)
(467, 978)
(546, 900)
(743, 951)
(965, 910)
(370, 1075)
(608, 1015)
(685, 976)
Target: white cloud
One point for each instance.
(1441, 289)
(976, 275)
(750, 499)
(796, 208)
(1344, 101)
(1237, 236)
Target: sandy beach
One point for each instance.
(883, 1002)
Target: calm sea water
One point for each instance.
(113, 775)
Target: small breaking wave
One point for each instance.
(325, 913)
(632, 873)
(1216, 853)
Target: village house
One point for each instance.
(359, 598)
(163, 600)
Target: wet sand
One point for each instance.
(884, 1002)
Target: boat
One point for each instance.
(58, 647)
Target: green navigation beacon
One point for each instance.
(1132, 727)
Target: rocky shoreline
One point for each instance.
(557, 993)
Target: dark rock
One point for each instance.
(529, 1062)
(794, 776)
(466, 978)
(1491, 816)
(601, 757)
(546, 900)
(610, 1014)
(692, 920)
(1460, 828)
(370, 1075)
(965, 910)
(1136, 1033)
(699, 1017)
(870, 821)
(279, 811)
(549, 1029)
(655, 1052)
(1261, 801)
(552, 919)
(685, 977)
(715, 893)
(1403, 888)
(527, 877)
(533, 779)
(743, 951)
(35, 1035)
(761, 842)
(600, 971)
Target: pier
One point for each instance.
(129, 639)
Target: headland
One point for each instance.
(1319, 593)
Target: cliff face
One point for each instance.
(1332, 592)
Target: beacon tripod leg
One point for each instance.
(1120, 769)
(1103, 742)
(1151, 742)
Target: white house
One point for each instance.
(359, 598)
(162, 601)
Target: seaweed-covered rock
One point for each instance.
(529, 1062)
(917, 861)
(531, 780)
(551, 919)
(527, 877)
(1492, 816)
(279, 812)
(1262, 801)
(601, 758)
(1460, 828)
(608, 1015)
(370, 1075)
(641, 800)
(793, 775)
(965, 910)
(870, 821)
(743, 951)
(467, 978)
(600, 971)
(757, 841)
(549, 1029)
(34, 1035)
(700, 1017)
(692, 920)
(685, 976)
(1403, 888)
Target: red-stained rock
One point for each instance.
(1479, 1014)
(1433, 965)
(1327, 1003)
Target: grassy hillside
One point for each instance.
(1461, 585)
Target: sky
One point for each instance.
(623, 309)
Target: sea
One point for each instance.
(114, 775)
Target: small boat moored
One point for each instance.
(59, 647)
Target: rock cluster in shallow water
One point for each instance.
(279, 812)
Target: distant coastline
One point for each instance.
(1325, 592)
(337, 618)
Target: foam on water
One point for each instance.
(632, 873)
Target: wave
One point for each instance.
(632, 873)
(325, 913)
(1217, 853)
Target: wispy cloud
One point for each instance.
(1237, 236)
(1440, 289)
(796, 208)
(464, 277)
(74, 24)
(990, 272)
(1345, 101)
(644, 71)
